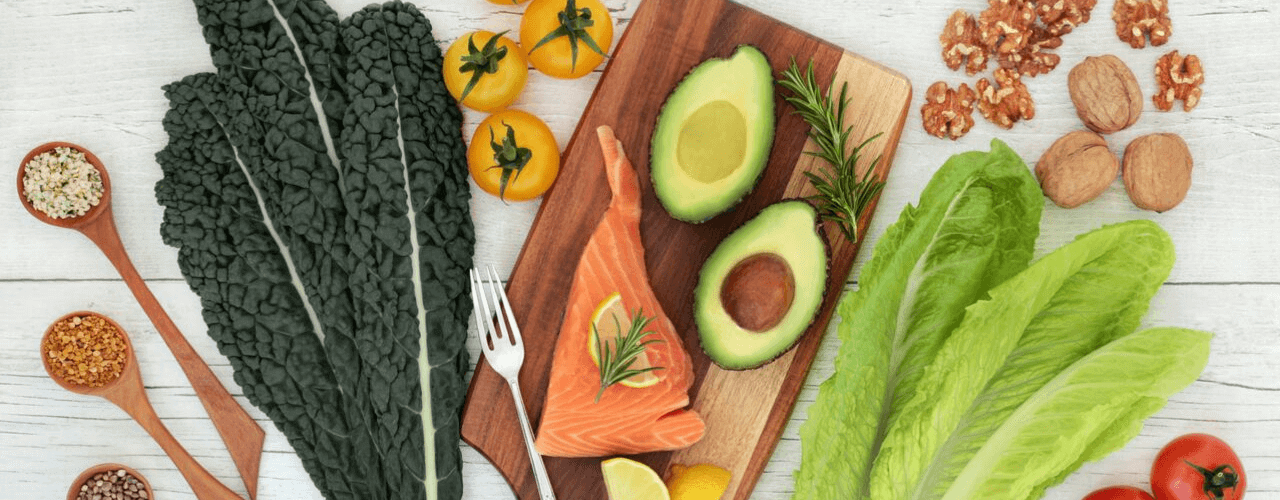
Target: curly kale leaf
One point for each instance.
(316, 189)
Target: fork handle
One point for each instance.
(539, 469)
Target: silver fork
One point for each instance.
(505, 353)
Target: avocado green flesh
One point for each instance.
(712, 142)
(788, 230)
(713, 136)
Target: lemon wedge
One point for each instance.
(610, 321)
(698, 482)
(626, 479)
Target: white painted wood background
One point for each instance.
(90, 72)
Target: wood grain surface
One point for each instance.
(745, 411)
(1227, 231)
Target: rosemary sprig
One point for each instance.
(842, 194)
(615, 358)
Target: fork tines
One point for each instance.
(490, 299)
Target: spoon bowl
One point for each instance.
(94, 212)
(128, 393)
(74, 492)
(128, 377)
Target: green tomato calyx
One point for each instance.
(480, 62)
(573, 24)
(510, 156)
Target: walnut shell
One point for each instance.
(1105, 93)
(1077, 168)
(1157, 171)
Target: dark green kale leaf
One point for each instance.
(316, 189)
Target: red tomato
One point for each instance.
(1119, 493)
(1197, 467)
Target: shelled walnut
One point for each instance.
(1138, 19)
(1007, 101)
(947, 113)
(1062, 16)
(962, 44)
(1006, 25)
(1179, 78)
(1105, 93)
(1032, 59)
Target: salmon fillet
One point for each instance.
(626, 420)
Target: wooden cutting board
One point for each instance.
(745, 411)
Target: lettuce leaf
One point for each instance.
(1069, 420)
(316, 188)
(1065, 306)
(975, 226)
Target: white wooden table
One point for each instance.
(90, 72)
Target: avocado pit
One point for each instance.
(758, 292)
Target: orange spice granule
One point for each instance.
(86, 351)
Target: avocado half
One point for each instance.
(762, 286)
(713, 135)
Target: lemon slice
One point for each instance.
(611, 321)
(698, 482)
(627, 479)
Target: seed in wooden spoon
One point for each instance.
(112, 485)
(86, 350)
(62, 183)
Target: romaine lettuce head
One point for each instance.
(975, 226)
(958, 364)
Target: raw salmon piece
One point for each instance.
(626, 420)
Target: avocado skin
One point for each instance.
(790, 230)
(745, 79)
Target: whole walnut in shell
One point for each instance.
(1076, 169)
(1106, 94)
(1157, 171)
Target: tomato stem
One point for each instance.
(1218, 479)
(480, 62)
(510, 156)
(573, 24)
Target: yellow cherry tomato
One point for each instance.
(485, 71)
(513, 155)
(566, 38)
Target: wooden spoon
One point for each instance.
(242, 436)
(127, 393)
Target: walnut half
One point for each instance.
(1179, 78)
(1007, 101)
(947, 113)
(962, 44)
(1138, 19)
(1062, 16)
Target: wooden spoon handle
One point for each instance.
(242, 436)
(133, 400)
